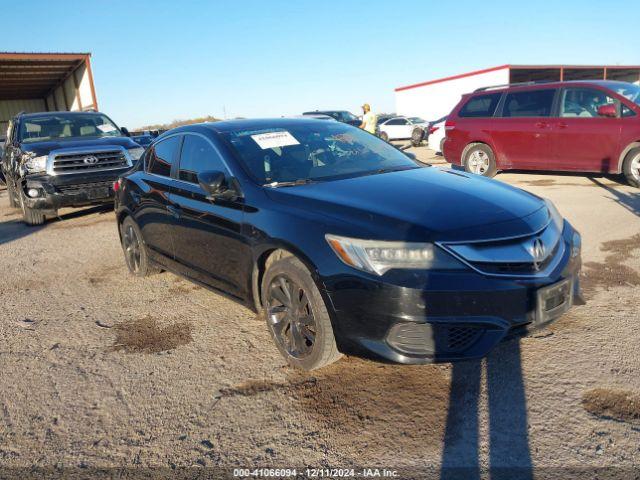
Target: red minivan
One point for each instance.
(581, 126)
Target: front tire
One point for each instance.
(480, 159)
(296, 315)
(631, 167)
(135, 251)
(417, 136)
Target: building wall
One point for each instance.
(9, 108)
(437, 99)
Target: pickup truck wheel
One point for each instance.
(31, 216)
(296, 315)
(11, 193)
(631, 167)
(135, 251)
(384, 136)
(479, 159)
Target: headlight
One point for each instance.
(377, 257)
(555, 214)
(136, 153)
(34, 164)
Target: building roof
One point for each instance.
(35, 75)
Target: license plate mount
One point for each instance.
(100, 192)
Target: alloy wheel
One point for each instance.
(290, 317)
(635, 167)
(132, 249)
(478, 162)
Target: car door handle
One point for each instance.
(542, 124)
(175, 211)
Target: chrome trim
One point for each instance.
(86, 151)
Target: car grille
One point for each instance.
(513, 256)
(74, 162)
(79, 188)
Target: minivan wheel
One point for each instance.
(31, 216)
(479, 159)
(384, 136)
(135, 251)
(631, 167)
(296, 315)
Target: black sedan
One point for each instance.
(346, 244)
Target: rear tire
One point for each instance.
(417, 136)
(31, 216)
(296, 315)
(135, 251)
(384, 136)
(479, 159)
(631, 167)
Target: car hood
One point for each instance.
(425, 204)
(43, 148)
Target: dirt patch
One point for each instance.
(612, 272)
(254, 387)
(146, 336)
(621, 405)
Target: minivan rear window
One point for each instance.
(530, 103)
(481, 106)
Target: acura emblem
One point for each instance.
(538, 252)
(90, 160)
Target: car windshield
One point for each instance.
(345, 116)
(58, 126)
(630, 91)
(313, 152)
(417, 120)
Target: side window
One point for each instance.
(627, 112)
(197, 156)
(481, 106)
(397, 121)
(162, 155)
(530, 103)
(583, 102)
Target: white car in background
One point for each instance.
(437, 134)
(399, 128)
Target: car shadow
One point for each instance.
(15, 228)
(629, 201)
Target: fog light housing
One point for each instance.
(33, 192)
(576, 244)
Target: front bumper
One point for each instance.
(56, 192)
(446, 316)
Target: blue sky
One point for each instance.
(155, 61)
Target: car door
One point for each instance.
(582, 140)
(397, 128)
(523, 128)
(151, 199)
(208, 233)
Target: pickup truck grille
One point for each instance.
(74, 162)
(79, 188)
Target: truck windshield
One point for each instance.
(319, 152)
(631, 91)
(58, 126)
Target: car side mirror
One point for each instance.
(608, 110)
(215, 184)
(125, 131)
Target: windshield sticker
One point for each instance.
(106, 128)
(274, 140)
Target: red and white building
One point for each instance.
(436, 98)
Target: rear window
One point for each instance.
(481, 106)
(530, 103)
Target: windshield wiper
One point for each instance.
(300, 181)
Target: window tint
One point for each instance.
(481, 106)
(162, 155)
(531, 103)
(197, 156)
(583, 102)
(397, 121)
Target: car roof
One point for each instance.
(611, 84)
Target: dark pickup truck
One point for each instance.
(63, 159)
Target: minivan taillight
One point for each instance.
(449, 125)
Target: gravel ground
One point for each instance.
(103, 370)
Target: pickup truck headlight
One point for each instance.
(136, 153)
(376, 256)
(34, 164)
